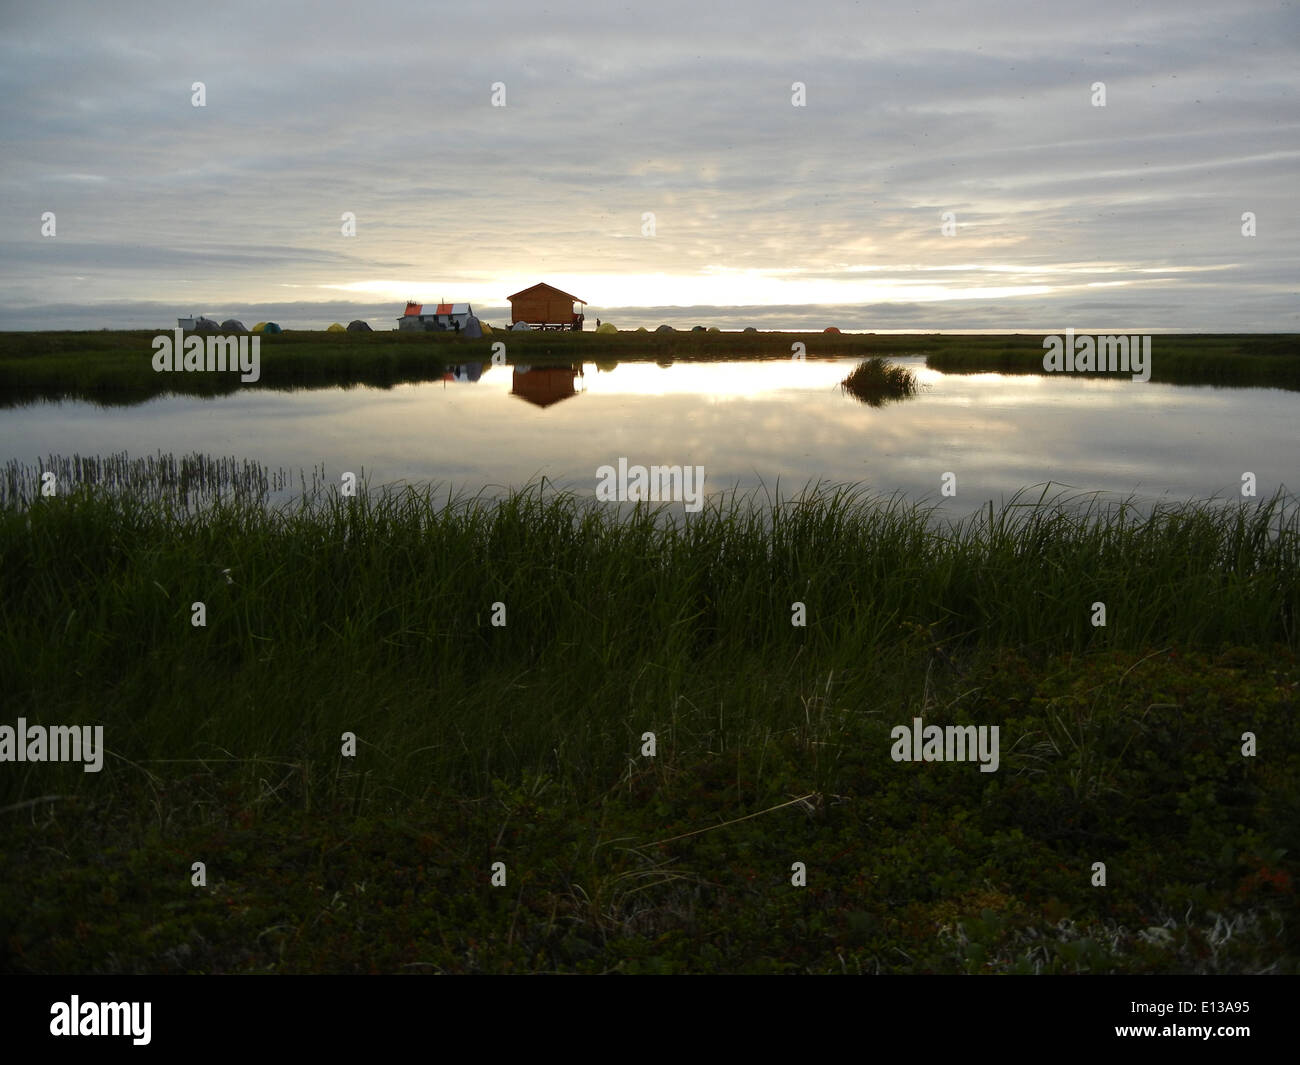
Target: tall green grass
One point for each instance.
(191, 481)
(878, 381)
(373, 615)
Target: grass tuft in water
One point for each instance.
(878, 381)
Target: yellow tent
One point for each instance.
(606, 327)
(259, 327)
(487, 329)
(336, 328)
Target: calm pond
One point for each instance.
(751, 425)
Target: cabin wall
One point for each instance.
(542, 309)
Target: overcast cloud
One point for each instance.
(1124, 217)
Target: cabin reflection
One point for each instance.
(545, 385)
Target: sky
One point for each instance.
(661, 162)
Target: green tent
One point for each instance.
(271, 327)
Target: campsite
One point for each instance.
(599, 490)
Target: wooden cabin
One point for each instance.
(545, 307)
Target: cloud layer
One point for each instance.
(1127, 216)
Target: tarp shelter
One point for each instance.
(271, 327)
(233, 325)
(337, 327)
(358, 326)
(606, 327)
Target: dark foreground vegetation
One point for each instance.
(110, 367)
(522, 743)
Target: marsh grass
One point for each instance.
(189, 482)
(878, 381)
(372, 615)
(113, 368)
(1225, 360)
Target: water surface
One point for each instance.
(751, 425)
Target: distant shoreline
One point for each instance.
(115, 365)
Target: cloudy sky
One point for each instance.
(1126, 216)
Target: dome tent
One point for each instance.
(830, 329)
(271, 327)
(519, 327)
(205, 325)
(697, 329)
(259, 327)
(487, 329)
(714, 329)
(750, 329)
(665, 329)
(358, 326)
(606, 327)
(642, 329)
(233, 325)
(472, 329)
(336, 328)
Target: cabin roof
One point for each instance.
(533, 289)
